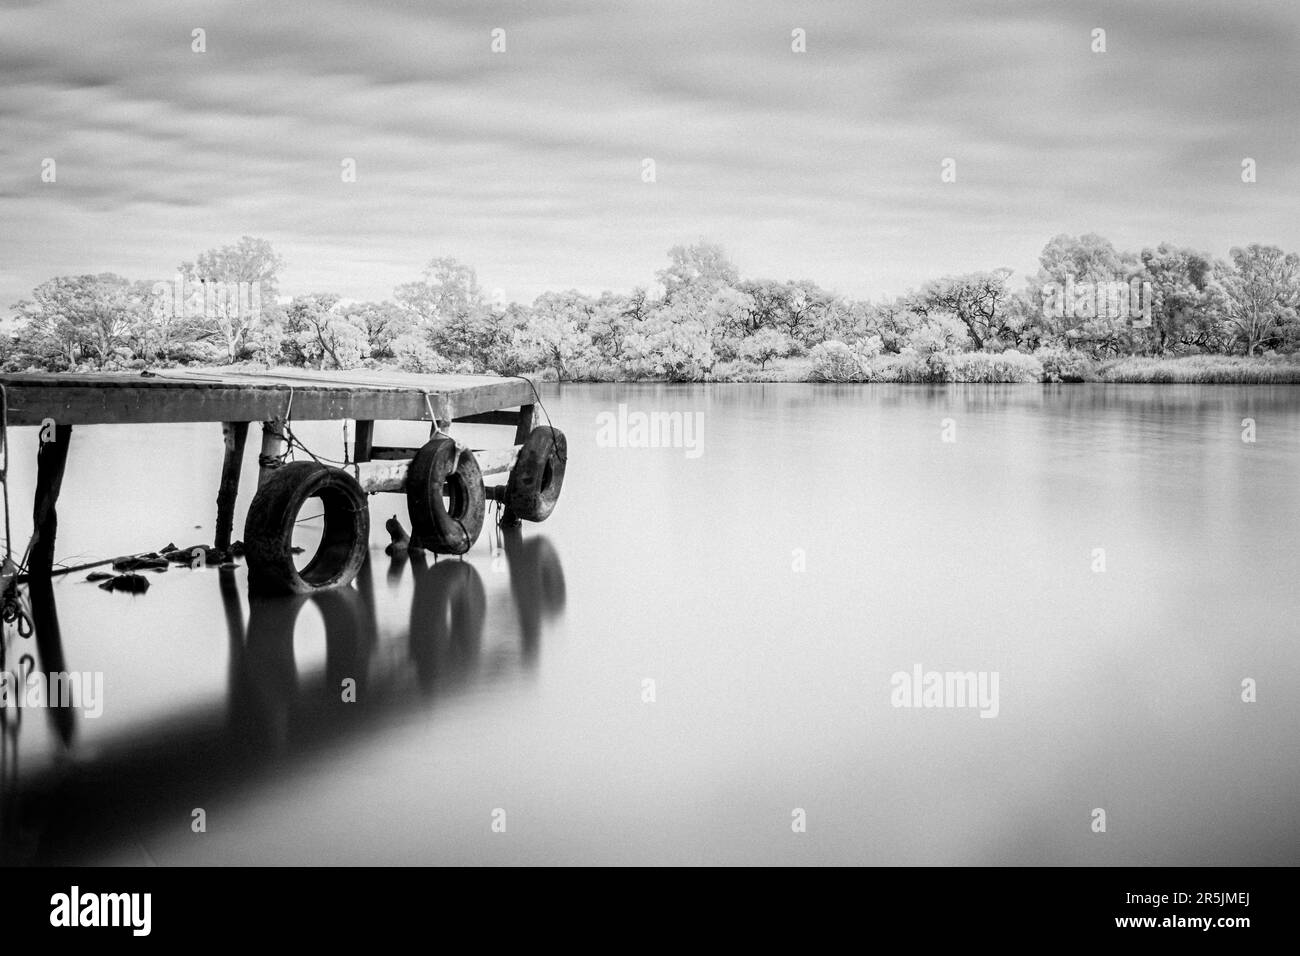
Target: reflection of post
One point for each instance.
(233, 606)
(270, 670)
(537, 583)
(49, 645)
(235, 435)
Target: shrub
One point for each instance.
(940, 333)
(940, 367)
(836, 362)
(905, 368)
(1203, 369)
(1066, 365)
(415, 354)
(201, 353)
(1010, 366)
(869, 347)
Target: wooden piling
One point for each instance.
(364, 441)
(235, 435)
(274, 445)
(524, 425)
(51, 460)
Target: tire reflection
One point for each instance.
(276, 710)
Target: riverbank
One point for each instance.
(836, 363)
(1048, 367)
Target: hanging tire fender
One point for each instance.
(537, 477)
(269, 527)
(441, 468)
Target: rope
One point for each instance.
(4, 468)
(455, 465)
(542, 405)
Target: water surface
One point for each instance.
(769, 584)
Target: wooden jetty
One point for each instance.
(442, 479)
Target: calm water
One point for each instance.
(526, 693)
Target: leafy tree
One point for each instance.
(71, 319)
(977, 300)
(721, 318)
(1261, 290)
(414, 354)
(940, 333)
(448, 305)
(323, 335)
(447, 292)
(765, 345)
(892, 321)
(554, 339)
(671, 342)
(380, 323)
(1088, 258)
(248, 275)
(696, 272)
(614, 316)
(801, 309)
(1184, 296)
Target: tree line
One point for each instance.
(707, 322)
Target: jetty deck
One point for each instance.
(184, 396)
(58, 402)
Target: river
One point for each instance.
(697, 658)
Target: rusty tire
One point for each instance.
(438, 469)
(268, 530)
(538, 475)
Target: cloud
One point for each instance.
(822, 165)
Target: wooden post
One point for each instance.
(523, 428)
(525, 425)
(364, 441)
(235, 435)
(274, 445)
(50, 462)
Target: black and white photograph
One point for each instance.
(622, 433)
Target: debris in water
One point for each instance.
(188, 555)
(140, 562)
(99, 576)
(131, 583)
(401, 543)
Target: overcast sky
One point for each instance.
(527, 164)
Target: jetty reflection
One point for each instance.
(278, 712)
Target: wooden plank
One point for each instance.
(390, 453)
(102, 400)
(490, 418)
(390, 475)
